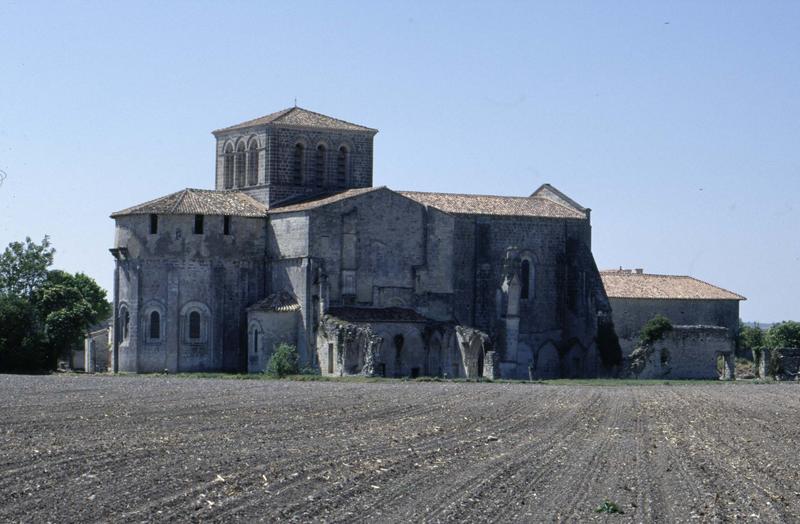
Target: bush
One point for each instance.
(284, 361)
(654, 330)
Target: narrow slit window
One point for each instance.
(198, 224)
(226, 225)
(526, 279)
(153, 224)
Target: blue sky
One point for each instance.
(678, 123)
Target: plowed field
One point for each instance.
(129, 449)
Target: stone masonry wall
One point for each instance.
(175, 272)
(685, 352)
(631, 314)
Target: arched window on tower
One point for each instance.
(526, 277)
(240, 165)
(227, 167)
(298, 165)
(252, 163)
(319, 165)
(342, 166)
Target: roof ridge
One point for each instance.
(465, 194)
(179, 200)
(322, 115)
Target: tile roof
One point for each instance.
(494, 205)
(625, 283)
(451, 203)
(299, 117)
(281, 302)
(321, 200)
(365, 314)
(199, 202)
(550, 192)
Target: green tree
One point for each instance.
(69, 305)
(284, 361)
(23, 346)
(654, 329)
(23, 267)
(42, 312)
(783, 335)
(750, 337)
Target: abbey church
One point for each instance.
(295, 244)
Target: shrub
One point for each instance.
(608, 507)
(284, 361)
(654, 330)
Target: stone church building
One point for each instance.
(295, 244)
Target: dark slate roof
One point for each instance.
(625, 283)
(282, 302)
(299, 117)
(321, 200)
(460, 204)
(365, 314)
(199, 202)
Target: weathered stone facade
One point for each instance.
(779, 363)
(296, 246)
(685, 352)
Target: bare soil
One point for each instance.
(93, 448)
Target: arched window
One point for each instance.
(227, 167)
(155, 325)
(194, 325)
(342, 165)
(298, 166)
(319, 166)
(252, 163)
(527, 280)
(240, 165)
(125, 322)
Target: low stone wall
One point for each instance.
(780, 363)
(685, 352)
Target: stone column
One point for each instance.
(88, 354)
(728, 366)
(172, 317)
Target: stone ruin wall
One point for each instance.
(779, 364)
(685, 352)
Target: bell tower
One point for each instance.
(293, 154)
